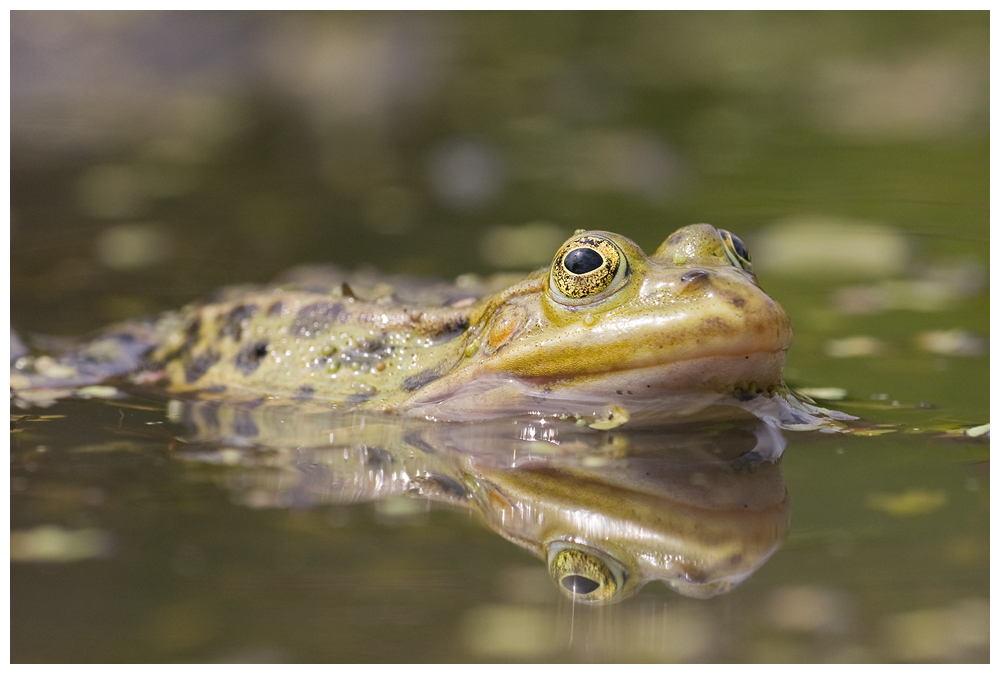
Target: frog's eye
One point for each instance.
(587, 268)
(584, 574)
(736, 250)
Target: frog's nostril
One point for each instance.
(695, 276)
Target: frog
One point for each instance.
(605, 334)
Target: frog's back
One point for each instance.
(319, 332)
(302, 344)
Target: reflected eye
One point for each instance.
(587, 267)
(736, 250)
(584, 574)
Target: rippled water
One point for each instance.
(850, 152)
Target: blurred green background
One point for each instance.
(216, 147)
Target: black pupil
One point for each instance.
(582, 260)
(579, 584)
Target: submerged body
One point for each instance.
(606, 333)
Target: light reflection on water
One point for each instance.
(206, 537)
(698, 507)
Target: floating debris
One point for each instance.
(854, 347)
(872, 432)
(955, 342)
(820, 393)
(807, 608)
(801, 246)
(950, 633)
(49, 543)
(133, 246)
(912, 502)
(937, 289)
(98, 392)
(42, 397)
(973, 432)
(508, 631)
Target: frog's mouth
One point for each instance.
(676, 390)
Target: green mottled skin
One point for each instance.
(684, 329)
(665, 329)
(294, 343)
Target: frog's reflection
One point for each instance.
(697, 508)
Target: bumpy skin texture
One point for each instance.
(604, 326)
(306, 345)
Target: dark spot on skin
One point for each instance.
(233, 325)
(276, 308)
(619, 391)
(695, 276)
(316, 316)
(420, 380)
(219, 388)
(675, 238)
(249, 358)
(358, 398)
(304, 393)
(195, 367)
(245, 427)
(738, 301)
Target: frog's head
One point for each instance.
(608, 324)
(608, 308)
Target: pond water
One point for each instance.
(851, 153)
